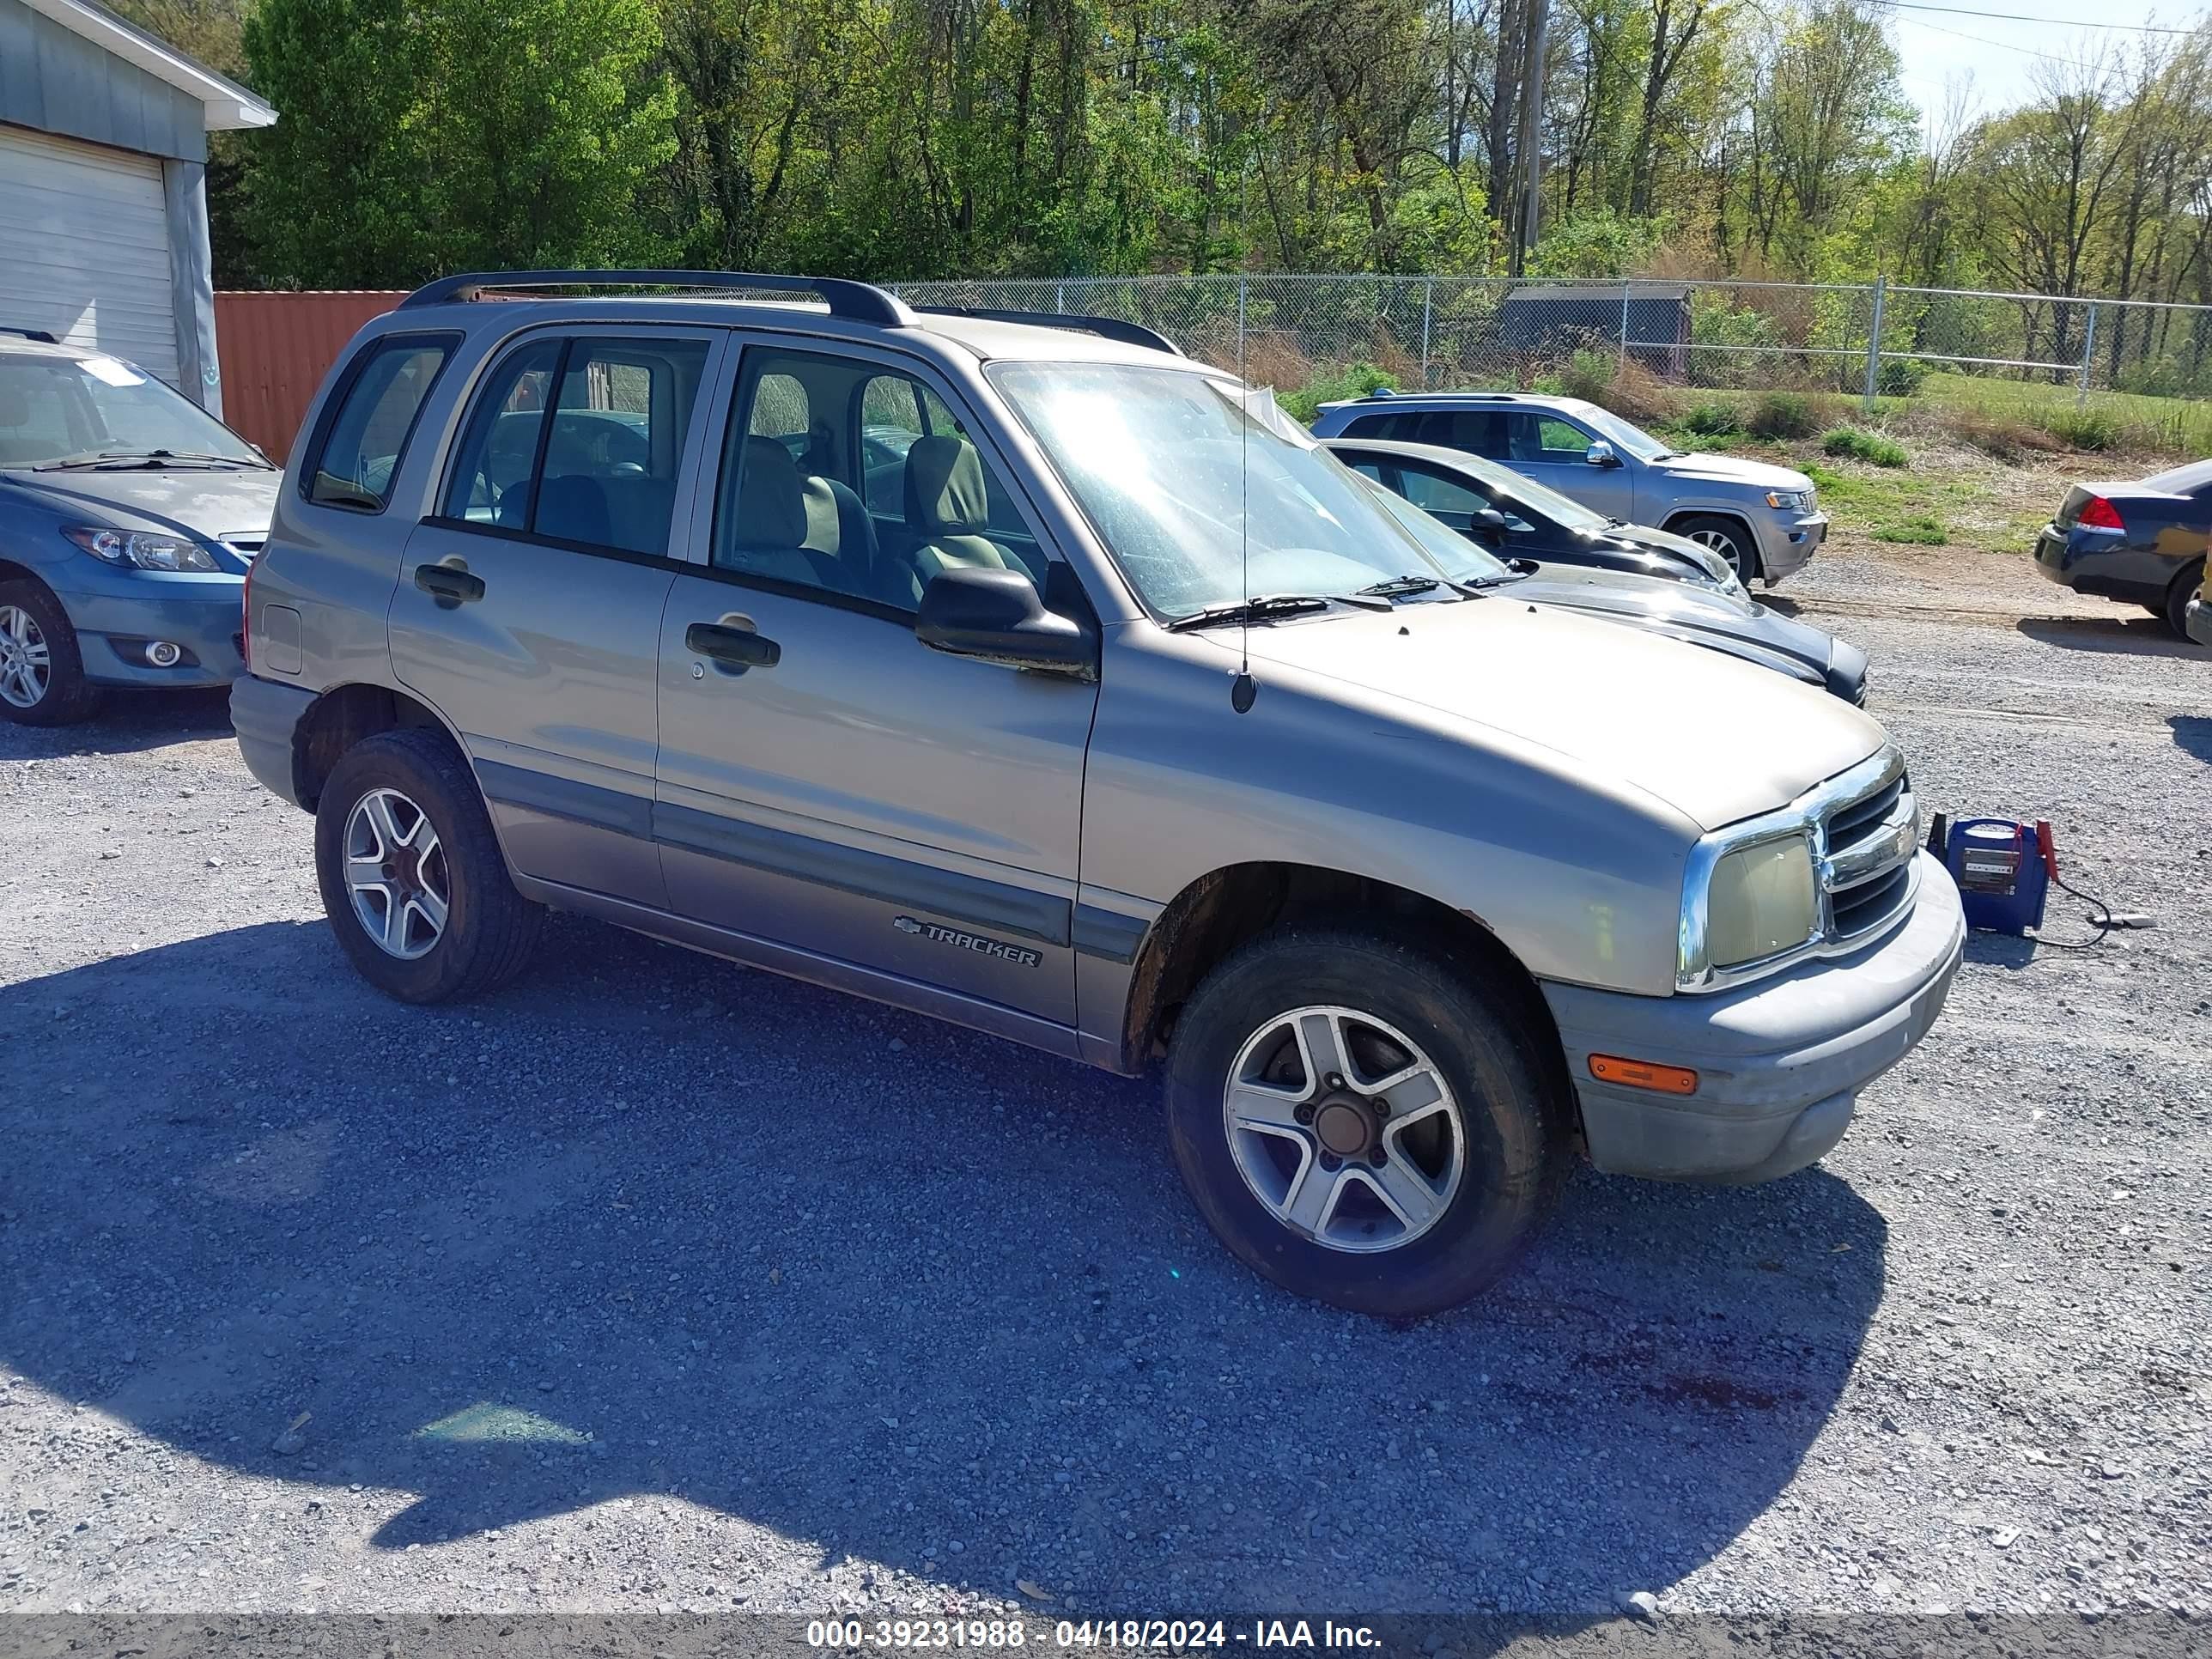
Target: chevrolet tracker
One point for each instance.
(1020, 671)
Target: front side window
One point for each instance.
(844, 477)
(65, 413)
(363, 442)
(1546, 439)
(581, 442)
(1182, 477)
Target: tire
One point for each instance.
(487, 929)
(39, 662)
(2178, 596)
(1726, 537)
(1507, 1106)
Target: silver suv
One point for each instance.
(1762, 519)
(911, 652)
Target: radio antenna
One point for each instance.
(1244, 689)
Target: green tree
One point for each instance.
(450, 134)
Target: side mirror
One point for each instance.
(997, 614)
(1601, 455)
(1486, 521)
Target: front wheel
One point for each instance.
(413, 880)
(42, 679)
(1365, 1124)
(1726, 537)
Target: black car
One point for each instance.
(2142, 543)
(1526, 530)
(1452, 485)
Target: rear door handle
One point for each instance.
(450, 585)
(734, 647)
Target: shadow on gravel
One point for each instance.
(129, 721)
(2193, 732)
(2003, 950)
(654, 1224)
(2139, 633)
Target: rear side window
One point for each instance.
(580, 442)
(364, 441)
(1399, 428)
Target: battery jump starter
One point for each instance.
(2005, 871)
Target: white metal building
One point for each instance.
(103, 187)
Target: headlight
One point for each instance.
(1760, 902)
(1790, 501)
(143, 548)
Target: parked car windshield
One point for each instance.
(1631, 439)
(1180, 472)
(60, 408)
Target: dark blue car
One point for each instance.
(2142, 544)
(128, 517)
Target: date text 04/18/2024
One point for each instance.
(1128, 1635)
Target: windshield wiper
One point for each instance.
(1397, 586)
(1267, 606)
(121, 460)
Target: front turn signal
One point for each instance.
(1643, 1074)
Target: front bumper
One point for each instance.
(1785, 545)
(1779, 1062)
(117, 613)
(2196, 621)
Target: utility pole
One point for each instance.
(1531, 145)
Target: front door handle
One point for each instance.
(733, 647)
(450, 585)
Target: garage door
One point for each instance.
(86, 247)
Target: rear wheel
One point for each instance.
(413, 881)
(1726, 537)
(1362, 1123)
(2176, 608)
(41, 672)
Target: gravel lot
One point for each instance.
(658, 1283)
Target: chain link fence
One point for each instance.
(1872, 339)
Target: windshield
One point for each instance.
(1627, 439)
(1173, 468)
(55, 409)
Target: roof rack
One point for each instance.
(859, 303)
(1107, 328)
(38, 334)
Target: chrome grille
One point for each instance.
(246, 547)
(1866, 847)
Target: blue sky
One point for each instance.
(1997, 57)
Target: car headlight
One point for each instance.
(144, 549)
(1790, 501)
(1760, 900)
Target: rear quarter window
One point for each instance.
(363, 438)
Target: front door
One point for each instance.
(827, 783)
(528, 612)
(1553, 450)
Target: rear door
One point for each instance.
(528, 609)
(874, 813)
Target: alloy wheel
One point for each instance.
(1344, 1129)
(26, 666)
(395, 873)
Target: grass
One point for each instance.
(2101, 421)
(1849, 443)
(1921, 528)
(1891, 505)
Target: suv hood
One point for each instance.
(1717, 739)
(209, 505)
(1733, 469)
